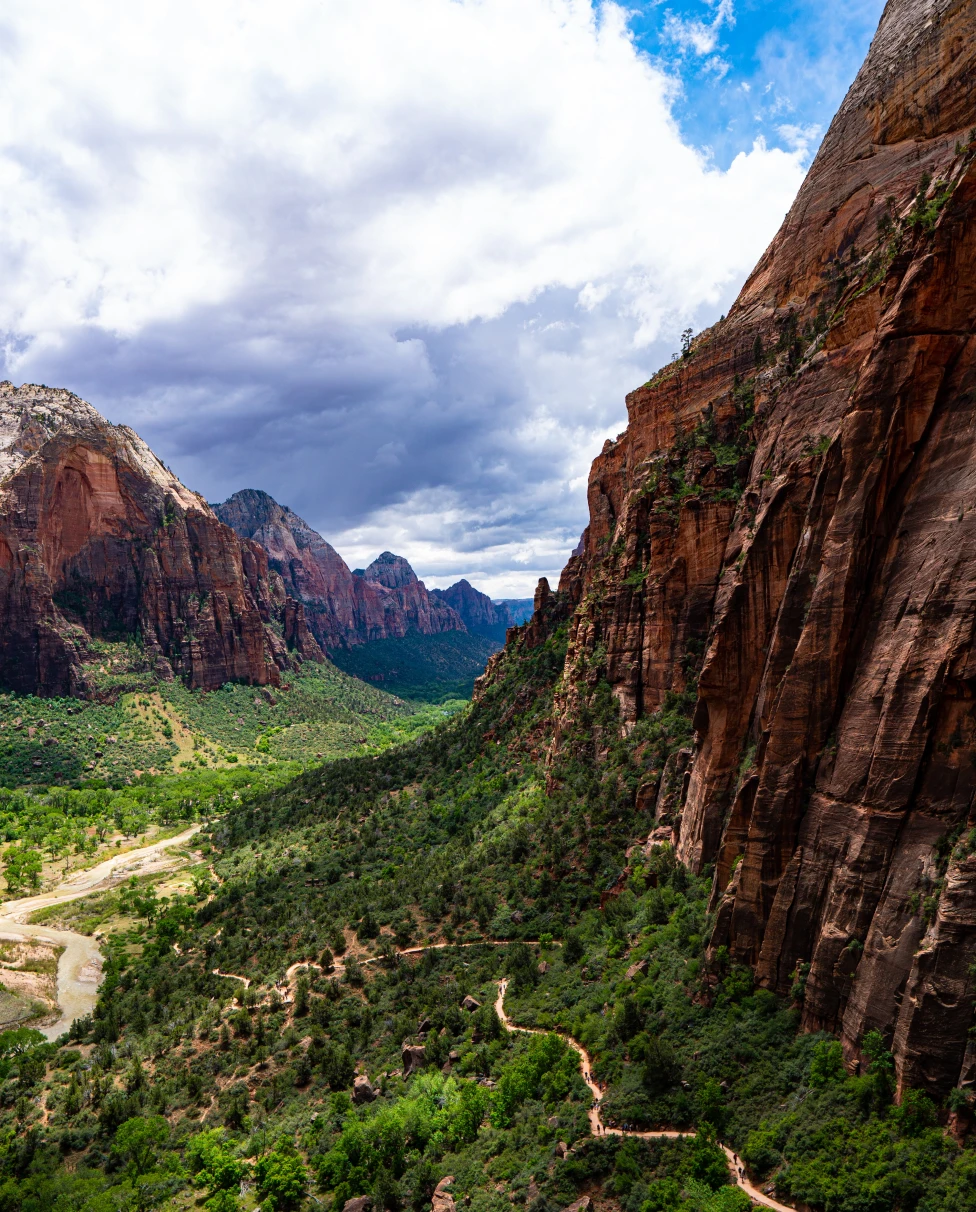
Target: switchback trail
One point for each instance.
(599, 1128)
(80, 965)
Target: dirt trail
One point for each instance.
(80, 966)
(599, 1128)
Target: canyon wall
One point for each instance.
(783, 543)
(480, 615)
(98, 540)
(343, 609)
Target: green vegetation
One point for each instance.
(186, 1085)
(318, 713)
(429, 668)
(709, 462)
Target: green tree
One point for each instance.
(573, 949)
(138, 1141)
(281, 1178)
(215, 1167)
(827, 1063)
(223, 1201)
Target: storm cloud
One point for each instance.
(395, 263)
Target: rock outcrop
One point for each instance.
(419, 610)
(98, 540)
(480, 615)
(343, 608)
(782, 544)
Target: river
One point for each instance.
(80, 966)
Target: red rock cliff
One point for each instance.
(343, 609)
(99, 539)
(787, 529)
(478, 612)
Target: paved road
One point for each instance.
(80, 966)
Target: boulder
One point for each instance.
(362, 1089)
(640, 966)
(414, 1057)
(470, 1004)
(362, 1203)
(443, 1201)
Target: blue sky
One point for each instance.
(396, 264)
(756, 68)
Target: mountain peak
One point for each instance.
(99, 538)
(344, 608)
(391, 570)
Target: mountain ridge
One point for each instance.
(347, 607)
(99, 538)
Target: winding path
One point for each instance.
(599, 1128)
(80, 966)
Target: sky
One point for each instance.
(396, 262)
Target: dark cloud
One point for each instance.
(395, 264)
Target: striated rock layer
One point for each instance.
(391, 576)
(480, 615)
(784, 541)
(343, 609)
(99, 540)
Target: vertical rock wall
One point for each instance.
(99, 540)
(785, 535)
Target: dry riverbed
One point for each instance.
(78, 961)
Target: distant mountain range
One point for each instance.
(344, 607)
(519, 609)
(101, 543)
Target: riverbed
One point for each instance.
(80, 965)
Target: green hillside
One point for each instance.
(189, 1088)
(148, 726)
(426, 668)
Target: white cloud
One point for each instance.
(299, 244)
(694, 36)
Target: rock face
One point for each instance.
(480, 615)
(343, 608)
(783, 544)
(420, 610)
(99, 540)
(443, 1200)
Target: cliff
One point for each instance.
(423, 612)
(343, 609)
(480, 615)
(98, 540)
(783, 543)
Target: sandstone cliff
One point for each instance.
(99, 540)
(422, 611)
(343, 609)
(480, 615)
(784, 541)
